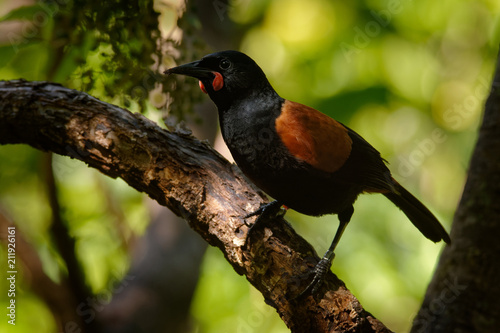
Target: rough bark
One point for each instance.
(195, 182)
(464, 292)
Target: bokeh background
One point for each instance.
(410, 76)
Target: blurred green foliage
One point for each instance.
(410, 76)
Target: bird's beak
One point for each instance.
(192, 69)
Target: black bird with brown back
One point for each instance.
(302, 158)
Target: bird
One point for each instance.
(302, 158)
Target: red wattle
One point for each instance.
(202, 87)
(218, 81)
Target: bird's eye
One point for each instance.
(224, 64)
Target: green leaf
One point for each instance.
(8, 52)
(30, 12)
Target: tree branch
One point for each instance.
(463, 294)
(195, 182)
(63, 240)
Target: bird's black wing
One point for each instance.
(365, 167)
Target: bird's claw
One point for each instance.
(320, 271)
(257, 212)
(265, 211)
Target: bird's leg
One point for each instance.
(323, 266)
(266, 211)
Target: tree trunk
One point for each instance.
(195, 182)
(464, 293)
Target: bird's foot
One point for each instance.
(266, 211)
(320, 271)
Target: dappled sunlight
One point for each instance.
(457, 106)
(411, 77)
(302, 24)
(431, 64)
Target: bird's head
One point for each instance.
(225, 76)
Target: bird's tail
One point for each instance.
(419, 215)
